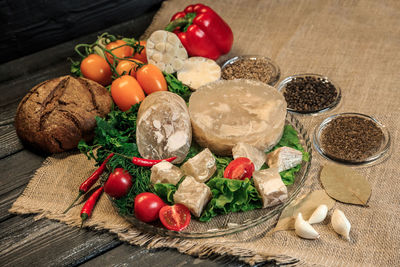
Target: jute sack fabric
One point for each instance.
(356, 44)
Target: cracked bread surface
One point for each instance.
(56, 114)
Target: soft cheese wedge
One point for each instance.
(269, 185)
(193, 195)
(284, 158)
(201, 167)
(248, 151)
(165, 172)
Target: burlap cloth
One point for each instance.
(357, 45)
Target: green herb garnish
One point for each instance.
(177, 87)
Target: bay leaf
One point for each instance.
(306, 205)
(345, 184)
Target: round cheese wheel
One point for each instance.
(226, 112)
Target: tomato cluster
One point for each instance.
(134, 76)
(149, 207)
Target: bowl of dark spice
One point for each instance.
(309, 93)
(352, 138)
(258, 68)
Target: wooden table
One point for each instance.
(24, 241)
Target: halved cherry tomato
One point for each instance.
(239, 169)
(142, 56)
(122, 51)
(126, 92)
(118, 183)
(151, 79)
(176, 217)
(147, 206)
(128, 67)
(95, 68)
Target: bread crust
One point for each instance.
(56, 114)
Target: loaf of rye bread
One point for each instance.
(56, 114)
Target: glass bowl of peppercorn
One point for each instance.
(309, 93)
(251, 67)
(352, 138)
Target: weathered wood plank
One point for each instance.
(9, 142)
(17, 170)
(32, 26)
(126, 255)
(48, 243)
(25, 68)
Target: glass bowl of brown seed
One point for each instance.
(251, 67)
(310, 93)
(352, 138)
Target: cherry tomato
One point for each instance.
(126, 92)
(151, 79)
(96, 68)
(142, 56)
(176, 217)
(122, 51)
(118, 183)
(239, 169)
(147, 206)
(128, 66)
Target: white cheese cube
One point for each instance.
(193, 195)
(201, 167)
(165, 172)
(284, 158)
(248, 151)
(269, 185)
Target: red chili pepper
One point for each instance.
(91, 180)
(149, 162)
(89, 204)
(202, 31)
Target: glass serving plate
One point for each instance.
(378, 156)
(239, 221)
(282, 86)
(275, 75)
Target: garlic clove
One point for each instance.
(340, 224)
(304, 229)
(319, 214)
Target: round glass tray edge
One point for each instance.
(306, 143)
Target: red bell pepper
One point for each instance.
(202, 31)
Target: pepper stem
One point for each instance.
(182, 23)
(72, 204)
(84, 217)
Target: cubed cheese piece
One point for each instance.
(163, 127)
(165, 172)
(284, 158)
(201, 167)
(193, 195)
(224, 113)
(269, 185)
(248, 151)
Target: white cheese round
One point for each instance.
(224, 113)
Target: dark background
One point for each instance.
(28, 26)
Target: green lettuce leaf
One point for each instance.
(230, 196)
(165, 192)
